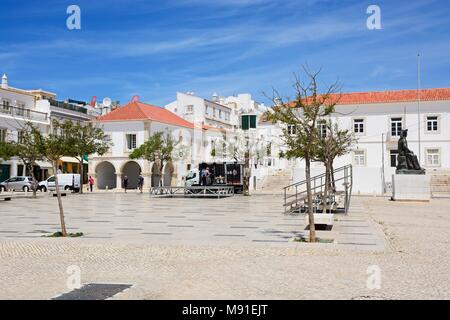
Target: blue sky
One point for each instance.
(156, 48)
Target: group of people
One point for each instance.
(124, 183)
(140, 183)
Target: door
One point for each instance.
(4, 172)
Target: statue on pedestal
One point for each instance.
(407, 162)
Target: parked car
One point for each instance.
(19, 183)
(67, 181)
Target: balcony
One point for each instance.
(23, 113)
(67, 106)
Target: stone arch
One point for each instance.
(106, 175)
(131, 169)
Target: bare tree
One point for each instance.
(302, 115)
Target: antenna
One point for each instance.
(106, 102)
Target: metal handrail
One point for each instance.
(315, 186)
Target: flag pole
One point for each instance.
(418, 104)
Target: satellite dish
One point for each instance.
(107, 102)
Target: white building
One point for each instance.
(130, 126)
(17, 107)
(40, 107)
(377, 118)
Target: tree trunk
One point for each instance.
(34, 185)
(81, 174)
(327, 183)
(312, 227)
(58, 194)
(332, 176)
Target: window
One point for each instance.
(433, 157)
(214, 112)
(359, 158)
(432, 124)
(322, 127)
(206, 110)
(227, 116)
(396, 127)
(131, 141)
(248, 122)
(20, 109)
(394, 154)
(6, 104)
(3, 133)
(358, 126)
(190, 109)
(176, 110)
(20, 135)
(269, 149)
(291, 129)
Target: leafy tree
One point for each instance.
(6, 150)
(86, 139)
(303, 115)
(29, 149)
(335, 143)
(54, 146)
(159, 148)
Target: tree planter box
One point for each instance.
(321, 218)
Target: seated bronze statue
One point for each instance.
(407, 161)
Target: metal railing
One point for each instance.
(197, 191)
(23, 113)
(299, 198)
(67, 106)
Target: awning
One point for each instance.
(70, 159)
(44, 164)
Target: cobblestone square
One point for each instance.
(232, 248)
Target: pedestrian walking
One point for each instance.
(125, 183)
(91, 183)
(141, 182)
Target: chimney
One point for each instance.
(4, 82)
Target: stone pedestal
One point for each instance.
(411, 187)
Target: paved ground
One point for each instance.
(234, 248)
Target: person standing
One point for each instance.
(208, 176)
(203, 177)
(91, 183)
(140, 182)
(125, 183)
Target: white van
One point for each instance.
(67, 181)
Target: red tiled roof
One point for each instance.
(393, 96)
(141, 111)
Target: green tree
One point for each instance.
(6, 150)
(56, 145)
(159, 148)
(86, 139)
(29, 149)
(302, 115)
(334, 143)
